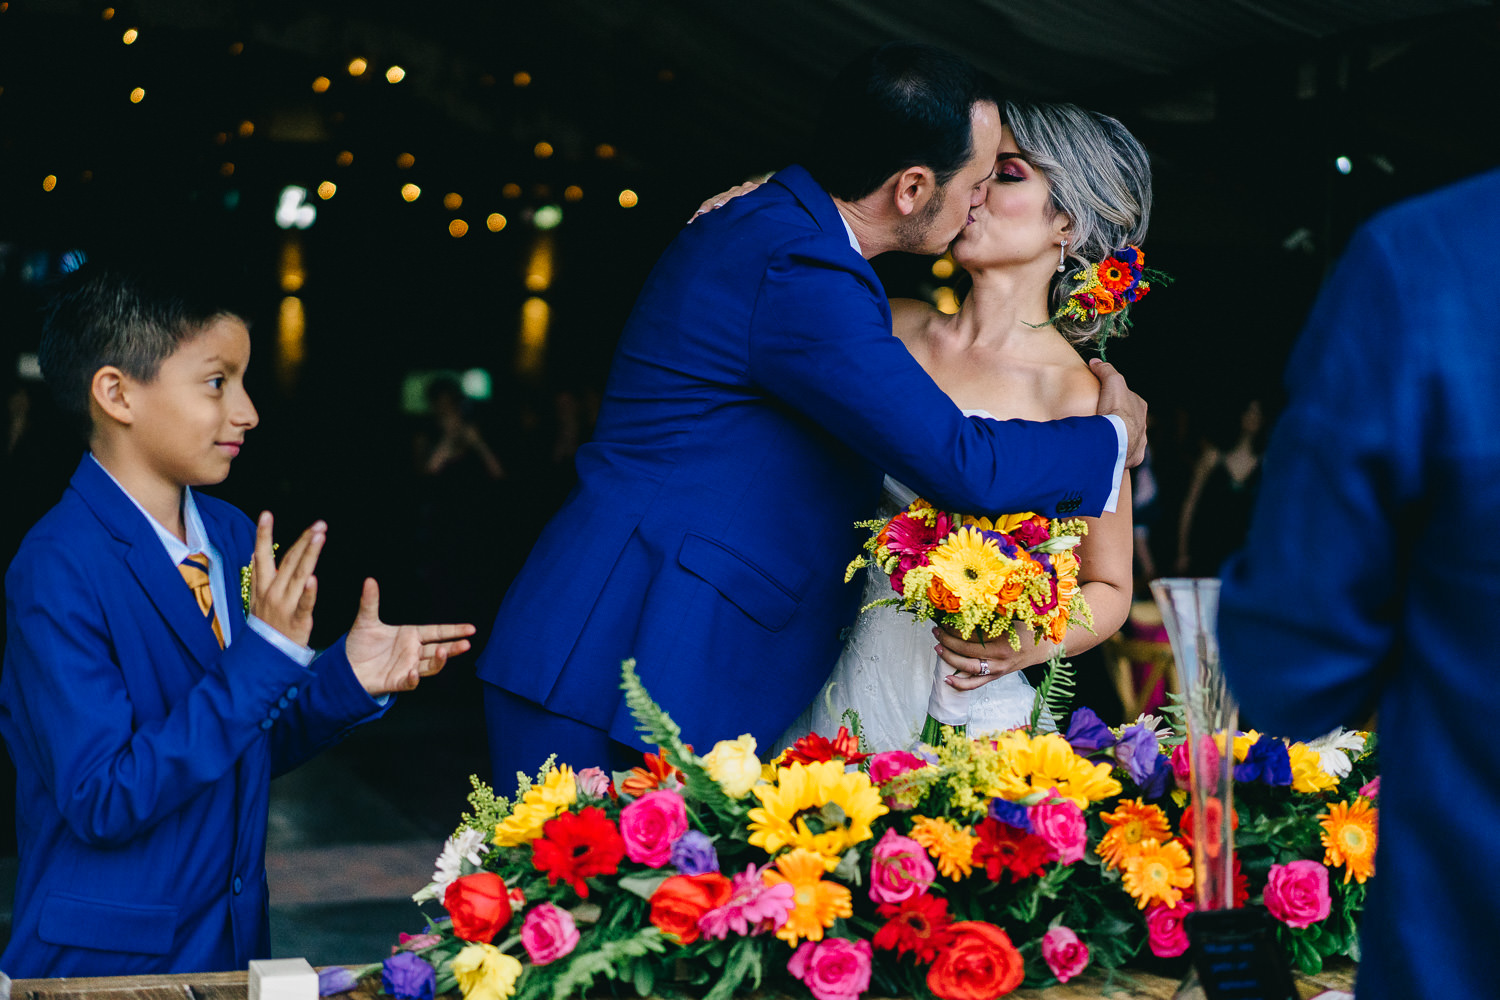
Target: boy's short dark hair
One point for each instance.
(900, 105)
(107, 315)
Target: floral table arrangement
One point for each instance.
(961, 872)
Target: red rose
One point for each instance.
(479, 905)
(678, 902)
(979, 963)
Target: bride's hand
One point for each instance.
(719, 200)
(976, 664)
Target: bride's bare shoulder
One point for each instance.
(909, 316)
(1076, 392)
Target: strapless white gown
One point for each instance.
(885, 672)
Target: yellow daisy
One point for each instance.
(1131, 825)
(539, 804)
(950, 845)
(1047, 761)
(971, 566)
(818, 806)
(818, 902)
(1158, 871)
(1308, 775)
(1349, 838)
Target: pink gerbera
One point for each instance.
(909, 535)
(753, 907)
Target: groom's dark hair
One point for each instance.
(899, 105)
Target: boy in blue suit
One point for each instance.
(145, 709)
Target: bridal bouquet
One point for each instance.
(963, 874)
(993, 579)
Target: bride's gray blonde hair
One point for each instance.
(1100, 176)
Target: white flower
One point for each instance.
(463, 849)
(1330, 749)
(1157, 724)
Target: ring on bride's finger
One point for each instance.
(984, 666)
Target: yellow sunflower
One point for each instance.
(815, 806)
(1308, 775)
(818, 902)
(1047, 761)
(1004, 523)
(971, 566)
(1131, 824)
(1158, 871)
(539, 804)
(950, 845)
(1349, 838)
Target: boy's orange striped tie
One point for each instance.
(194, 570)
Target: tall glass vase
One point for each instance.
(1190, 611)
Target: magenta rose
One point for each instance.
(1165, 930)
(832, 969)
(548, 933)
(899, 869)
(1065, 955)
(1182, 766)
(1297, 893)
(651, 825)
(885, 766)
(1060, 823)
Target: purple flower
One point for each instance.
(1155, 786)
(1087, 732)
(1266, 762)
(1010, 813)
(335, 979)
(694, 854)
(1137, 752)
(407, 976)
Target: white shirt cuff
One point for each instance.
(1124, 443)
(302, 654)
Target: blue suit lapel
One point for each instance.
(147, 559)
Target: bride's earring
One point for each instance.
(1062, 256)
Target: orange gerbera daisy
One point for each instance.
(1131, 825)
(655, 774)
(1349, 838)
(1158, 871)
(819, 902)
(950, 845)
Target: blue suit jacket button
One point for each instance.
(291, 692)
(281, 703)
(274, 713)
(238, 885)
(266, 723)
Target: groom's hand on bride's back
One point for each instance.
(1116, 398)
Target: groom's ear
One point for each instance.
(914, 188)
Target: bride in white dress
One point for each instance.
(1070, 187)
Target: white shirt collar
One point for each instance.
(853, 240)
(192, 522)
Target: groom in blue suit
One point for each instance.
(756, 397)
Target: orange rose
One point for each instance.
(1012, 588)
(678, 902)
(979, 963)
(1057, 628)
(941, 597)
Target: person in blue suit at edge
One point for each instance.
(1372, 568)
(145, 706)
(755, 398)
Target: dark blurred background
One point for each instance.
(440, 215)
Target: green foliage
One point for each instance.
(488, 808)
(611, 959)
(1054, 696)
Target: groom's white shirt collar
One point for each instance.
(853, 240)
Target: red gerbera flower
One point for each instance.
(574, 847)
(656, 773)
(814, 747)
(1004, 848)
(918, 924)
(1116, 275)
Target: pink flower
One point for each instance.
(910, 536)
(548, 933)
(651, 825)
(753, 908)
(1060, 823)
(417, 942)
(1182, 766)
(1066, 955)
(899, 869)
(593, 782)
(885, 766)
(1031, 532)
(833, 969)
(1297, 893)
(1165, 930)
(1371, 788)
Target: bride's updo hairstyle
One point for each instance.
(1100, 176)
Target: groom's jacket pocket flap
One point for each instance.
(81, 922)
(739, 580)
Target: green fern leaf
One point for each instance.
(1054, 696)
